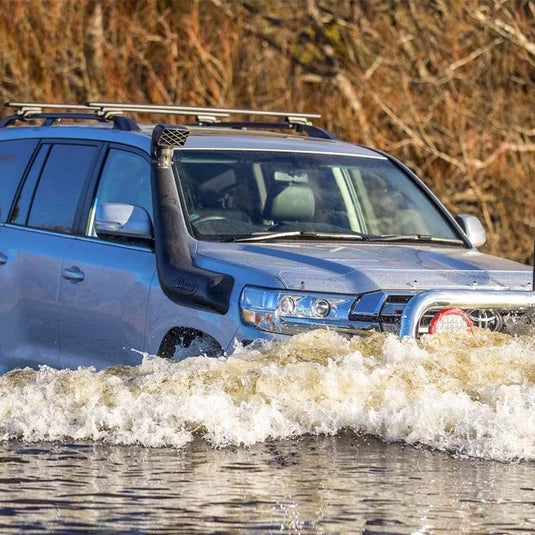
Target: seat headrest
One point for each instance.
(294, 203)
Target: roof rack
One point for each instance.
(113, 112)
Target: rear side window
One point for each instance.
(14, 157)
(64, 175)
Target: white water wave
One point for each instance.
(472, 394)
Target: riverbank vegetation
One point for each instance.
(447, 86)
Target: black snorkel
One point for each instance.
(180, 279)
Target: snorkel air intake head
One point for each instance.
(165, 140)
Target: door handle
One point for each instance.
(3, 259)
(73, 274)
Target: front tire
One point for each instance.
(182, 343)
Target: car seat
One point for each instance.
(294, 202)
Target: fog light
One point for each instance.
(321, 308)
(450, 320)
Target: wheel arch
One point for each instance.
(183, 337)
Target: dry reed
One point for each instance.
(446, 85)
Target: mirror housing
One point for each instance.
(123, 221)
(473, 229)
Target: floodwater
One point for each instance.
(319, 434)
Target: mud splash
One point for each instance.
(473, 395)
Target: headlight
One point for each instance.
(289, 312)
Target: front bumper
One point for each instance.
(410, 313)
(423, 302)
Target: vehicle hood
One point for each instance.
(358, 268)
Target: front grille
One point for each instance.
(392, 310)
(380, 311)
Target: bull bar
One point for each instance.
(431, 299)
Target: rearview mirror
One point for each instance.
(124, 221)
(473, 229)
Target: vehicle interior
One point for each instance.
(250, 192)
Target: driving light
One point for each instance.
(450, 320)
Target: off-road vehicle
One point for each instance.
(118, 238)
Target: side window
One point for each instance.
(125, 179)
(20, 213)
(64, 175)
(14, 157)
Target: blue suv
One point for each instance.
(118, 238)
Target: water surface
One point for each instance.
(320, 434)
(312, 484)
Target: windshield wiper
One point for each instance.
(301, 234)
(313, 235)
(415, 238)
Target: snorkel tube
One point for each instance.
(180, 279)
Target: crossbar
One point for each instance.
(194, 110)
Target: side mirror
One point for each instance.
(473, 229)
(123, 221)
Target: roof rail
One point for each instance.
(310, 129)
(24, 108)
(206, 113)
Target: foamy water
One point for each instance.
(472, 394)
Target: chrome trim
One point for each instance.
(296, 325)
(95, 239)
(420, 303)
(67, 235)
(369, 305)
(487, 318)
(91, 239)
(249, 149)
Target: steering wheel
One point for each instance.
(218, 224)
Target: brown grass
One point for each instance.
(446, 85)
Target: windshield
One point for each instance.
(241, 194)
